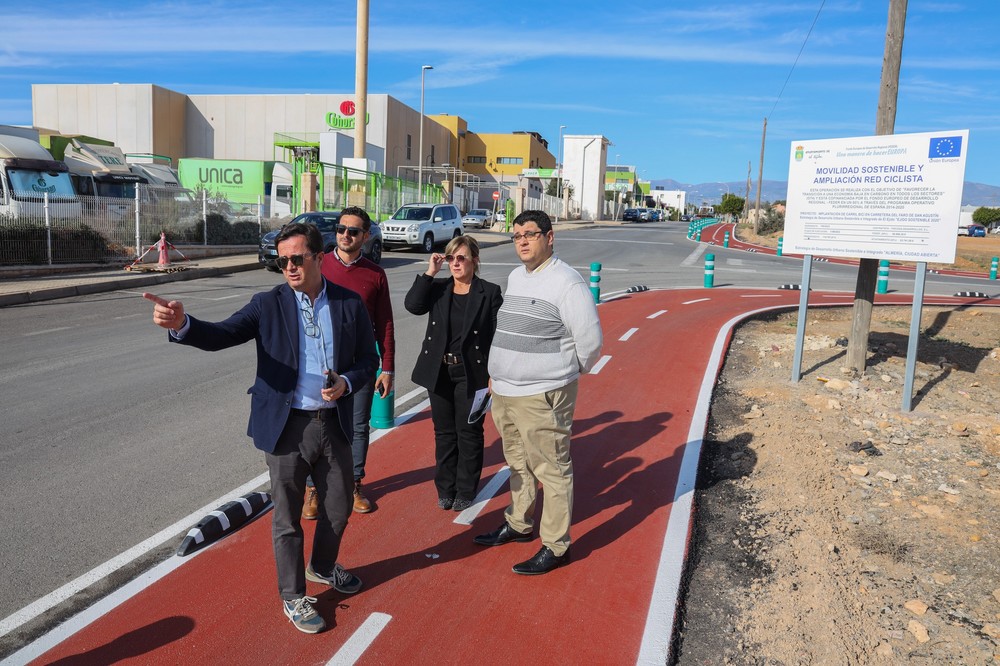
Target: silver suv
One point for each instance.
(422, 225)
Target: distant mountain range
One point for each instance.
(974, 194)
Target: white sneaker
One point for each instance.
(341, 579)
(303, 615)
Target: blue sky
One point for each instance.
(681, 92)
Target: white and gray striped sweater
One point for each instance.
(548, 331)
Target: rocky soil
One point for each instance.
(833, 528)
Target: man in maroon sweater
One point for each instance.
(346, 267)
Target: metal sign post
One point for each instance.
(800, 328)
(914, 341)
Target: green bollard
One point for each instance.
(781, 239)
(383, 408)
(698, 235)
(882, 286)
(709, 271)
(595, 279)
(993, 268)
(725, 240)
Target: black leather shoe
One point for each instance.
(503, 534)
(544, 561)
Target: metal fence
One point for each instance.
(109, 230)
(377, 193)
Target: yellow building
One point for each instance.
(496, 157)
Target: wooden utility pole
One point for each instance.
(885, 123)
(746, 199)
(361, 82)
(760, 179)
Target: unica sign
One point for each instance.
(344, 119)
(237, 180)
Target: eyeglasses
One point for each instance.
(459, 258)
(530, 235)
(295, 259)
(311, 329)
(354, 232)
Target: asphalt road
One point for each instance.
(111, 434)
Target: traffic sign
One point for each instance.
(496, 196)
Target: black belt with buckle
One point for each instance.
(318, 414)
(452, 359)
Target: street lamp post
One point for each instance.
(420, 143)
(559, 189)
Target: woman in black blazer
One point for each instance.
(452, 363)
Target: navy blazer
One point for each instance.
(272, 319)
(433, 295)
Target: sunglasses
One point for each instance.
(530, 235)
(354, 232)
(295, 259)
(460, 258)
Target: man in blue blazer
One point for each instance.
(314, 342)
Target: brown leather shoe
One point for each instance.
(361, 503)
(310, 510)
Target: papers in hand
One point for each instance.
(480, 404)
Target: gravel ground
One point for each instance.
(833, 528)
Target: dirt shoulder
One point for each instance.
(831, 527)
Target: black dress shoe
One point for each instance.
(503, 534)
(544, 561)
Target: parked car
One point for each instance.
(645, 215)
(422, 225)
(326, 222)
(477, 217)
(656, 215)
(977, 230)
(630, 215)
(685, 218)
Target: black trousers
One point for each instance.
(316, 447)
(458, 449)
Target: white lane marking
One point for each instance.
(656, 314)
(658, 633)
(488, 492)
(36, 608)
(628, 334)
(360, 640)
(693, 258)
(697, 300)
(137, 314)
(564, 239)
(600, 364)
(760, 295)
(102, 607)
(48, 330)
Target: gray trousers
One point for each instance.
(317, 447)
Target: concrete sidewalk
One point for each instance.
(43, 283)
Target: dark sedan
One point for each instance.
(326, 222)
(630, 215)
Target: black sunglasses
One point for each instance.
(295, 259)
(353, 231)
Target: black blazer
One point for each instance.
(433, 295)
(272, 319)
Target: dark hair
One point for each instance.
(358, 211)
(539, 217)
(314, 239)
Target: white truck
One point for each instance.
(101, 172)
(27, 174)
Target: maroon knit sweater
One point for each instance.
(367, 279)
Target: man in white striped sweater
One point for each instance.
(548, 333)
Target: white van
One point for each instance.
(27, 173)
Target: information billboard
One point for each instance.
(896, 196)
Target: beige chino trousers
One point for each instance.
(536, 433)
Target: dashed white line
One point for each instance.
(488, 492)
(656, 314)
(760, 295)
(48, 330)
(360, 640)
(600, 364)
(628, 334)
(697, 300)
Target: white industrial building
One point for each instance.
(145, 118)
(584, 166)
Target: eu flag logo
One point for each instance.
(945, 146)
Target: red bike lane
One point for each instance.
(431, 595)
